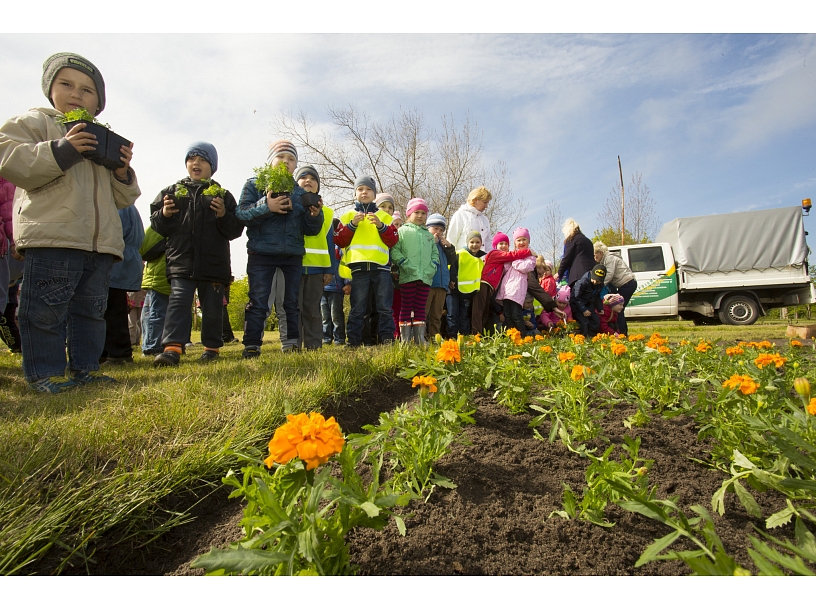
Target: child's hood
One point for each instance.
(365, 208)
(479, 254)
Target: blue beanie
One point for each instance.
(436, 220)
(206, 151)
(366, 181)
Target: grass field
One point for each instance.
(77, 465)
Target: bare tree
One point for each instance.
(406, 157)
(547, 237)
(642, 221)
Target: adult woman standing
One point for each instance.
(619, 278)
(471, 217)
(578, 254)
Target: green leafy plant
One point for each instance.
(80, 114)
(181, 190)
(274, 179)
(214, 190)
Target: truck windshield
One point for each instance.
(646, 259)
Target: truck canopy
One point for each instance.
(740, 241)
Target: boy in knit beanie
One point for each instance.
(585, 300)
(443, 280)
(276, 227)
(466, 280)
(367, 234)
(70, 232)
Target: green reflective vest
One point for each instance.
(317, 246)
(470, 272)
(366, 246)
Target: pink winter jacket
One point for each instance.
(514, 282)
(6, 205)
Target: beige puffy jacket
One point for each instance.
(74, 209)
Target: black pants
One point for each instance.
(117, 332)
(179, 312)
(512, 316)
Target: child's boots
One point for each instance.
(405, 330)
(419, 333)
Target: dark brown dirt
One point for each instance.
(496, 520)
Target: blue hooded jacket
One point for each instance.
(127, 273)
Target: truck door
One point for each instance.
(656, 294)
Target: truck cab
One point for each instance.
(655, 272)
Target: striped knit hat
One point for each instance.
(281, 146)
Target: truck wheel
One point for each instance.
(738, 310)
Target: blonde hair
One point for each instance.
(601, 247)
(570, 229)
(542, 262)
(480, 192)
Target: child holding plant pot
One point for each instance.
(66, 226)
(417, 257)
(197, 253)
(367, 233)
(276, 226)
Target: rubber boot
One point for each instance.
(419, 333)
(9, 332)
(405, 332)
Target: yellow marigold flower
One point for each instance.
(514, 357)
(427, 385)
(577, 339)
(796, 343)
(527, 340)
(702, 347)
(637, 337)
(449, 352)
(802, 387)
(545, 348)
(310, 437)
(477, 338)
(743, 383)
(764, 360)
(734, 351)
(579, 372)
(539, 337)
(663, 349)
(811, 408)
(565, 356)
(512, 333)
(618, 349)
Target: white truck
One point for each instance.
(722, 268)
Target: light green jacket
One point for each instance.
(416, 254)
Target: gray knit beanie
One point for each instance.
(307, 169)
(366, 181)
(473, 234)
(58, 61)
(436, 220)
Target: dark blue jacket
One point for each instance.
(276, 234)
(586, 296)
(127, 273)
(447, 256)
(336, 285)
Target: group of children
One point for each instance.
(71, 228)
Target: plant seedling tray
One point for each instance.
(107, 148)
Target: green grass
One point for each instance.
(93, 460)
(677, 330)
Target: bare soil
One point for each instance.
(496, 520)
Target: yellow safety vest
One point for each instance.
(317, 246)
(366, 246)
(470, 271)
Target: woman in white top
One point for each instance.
(471, 217)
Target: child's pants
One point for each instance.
(261, 270)
(334, 322)
(434, 307)
(276, 296)
(512, 315)
(378, 283)
(311, 322)
(63, 297)
(180, 315)
(153, 314)
(117, 330)
(481, 309)
(414, 296)
(589, 326)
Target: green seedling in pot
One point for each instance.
(80, 114)
(181, 191)
(274, 179)
(214, 190)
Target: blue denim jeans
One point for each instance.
(380, 285)
(261, 270)
(153, 314)
(334, 322)
(459, 306)
(63, 299)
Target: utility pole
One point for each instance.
(623, 232)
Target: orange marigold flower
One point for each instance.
(637, 337)
(657, 339)
(579, 372)
(734, 351)
(764, 360)
(565, 356)
(427, 385)
(796, 343)
(743, 383)
(811, 408)
(512, 333)
(514, 357)
(618, 349)
(577, 338)
(539, 337)
(684, 342)
(663, 349)
(449, 352)
(310, 437)
(545, 348)
(702, 347)
(477, 338)
(527, 340)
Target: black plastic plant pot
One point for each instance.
(108, 143)
(274, 195)
(113, 154)
(310, 200)
(181, 203)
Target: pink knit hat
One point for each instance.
(396, 215)
(499, 238)
(414, 205)
(521, 232)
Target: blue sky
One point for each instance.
(714, 123)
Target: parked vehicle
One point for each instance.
(722, 268)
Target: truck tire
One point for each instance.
(738, 310)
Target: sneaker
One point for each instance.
(251, 351)
(86, 377)
(53, 385)
(167, 358)
(209, 356)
